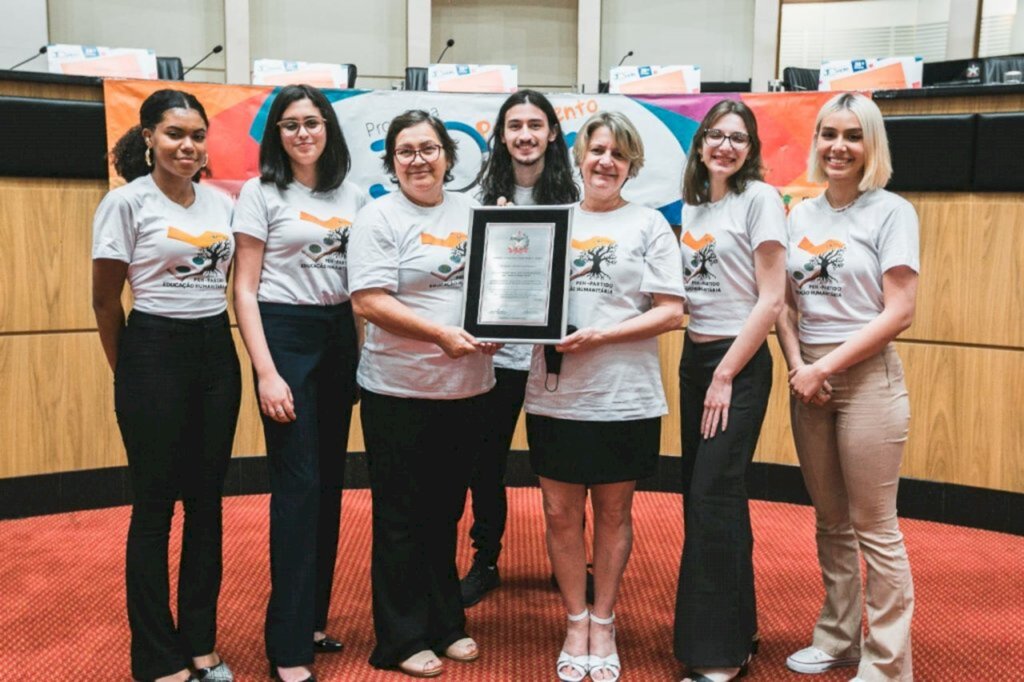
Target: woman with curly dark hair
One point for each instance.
(177, 384)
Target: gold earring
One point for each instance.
(149, 157)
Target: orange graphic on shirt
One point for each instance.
(332, 223)
(703, 256)
(214, 247)
(593, 256)
(335, 241)
(456, 242)
(203, 241)
(825, 259)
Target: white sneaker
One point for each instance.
(813, 660)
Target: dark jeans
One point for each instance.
(419, 454)
(314, 351)
(177, 389)
(502, 405)
(716, 614)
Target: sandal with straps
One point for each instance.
(578, 665)
(422, 664)
(610, 662)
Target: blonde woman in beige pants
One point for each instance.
(853, 263)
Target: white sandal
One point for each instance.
(610, 662)
(577, 665)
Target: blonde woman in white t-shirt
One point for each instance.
(291, 299)
(177, 383)
(595, 423)
(853, 264)
(733, 245)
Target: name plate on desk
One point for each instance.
(517, 274)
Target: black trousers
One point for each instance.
(716, 614)
(502, 405)
(419, 453)
(177, 388)
(314, 351)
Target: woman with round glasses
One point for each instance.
(733, 245)
(292, 225)
(177, 383)
(853, 270)
(596, 424)
(423, 380)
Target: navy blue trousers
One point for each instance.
(314, 350)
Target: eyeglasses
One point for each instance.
(312, 124)
(716, 138)
(429, 154)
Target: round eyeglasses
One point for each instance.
(717, 138)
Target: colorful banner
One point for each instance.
(666, 123)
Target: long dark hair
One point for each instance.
(696, 183)
(414, 117)
(497, 178)
(129, 152)
(275, 165)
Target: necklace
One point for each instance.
(844, 207)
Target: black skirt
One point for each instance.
(593, 452)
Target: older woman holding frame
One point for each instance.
(597, 423)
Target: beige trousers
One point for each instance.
(850, 452)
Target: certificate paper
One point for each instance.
(517, 274)
(515, 286)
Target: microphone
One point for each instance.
(451, 41)
(42, 50)
(216, 49)
(625, 57)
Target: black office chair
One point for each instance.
(415, 78)
(795, 78)
(352, 72)
(995, 67)
(170, 69)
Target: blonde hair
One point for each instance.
(627, 139)
(877, 161)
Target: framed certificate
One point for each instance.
(517, 274)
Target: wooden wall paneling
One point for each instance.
(972, 258)
(45, 260)
(967, 419)
(56, 405)
(88, 93)
(951, 105)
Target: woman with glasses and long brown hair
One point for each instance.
(177, 383)
(734, 258)
(292, 225)
(423, 379)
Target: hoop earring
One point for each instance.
(149, 157)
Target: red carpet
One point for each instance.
(62, 598)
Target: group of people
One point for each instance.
(316, 262)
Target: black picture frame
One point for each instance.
(558, 301)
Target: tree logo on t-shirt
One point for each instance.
(704, 255)
(592, 256)
(335, 241)
(590, 265)
(213, 247)
(826, 258)
(455, 242)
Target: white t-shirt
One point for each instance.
(517, 355)
(417, 254)
(837, 258)
(306, 235)
(178, 258)
(718, 241)
(620, 258)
